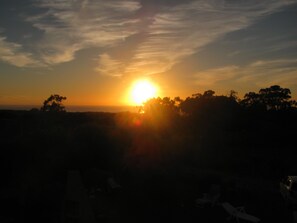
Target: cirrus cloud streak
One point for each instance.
(182, 30)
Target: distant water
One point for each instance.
(112, 109)
(69, 108)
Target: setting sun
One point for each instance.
(142, 91)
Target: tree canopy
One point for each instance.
(53, 104)
(208, 102)
(273, 98)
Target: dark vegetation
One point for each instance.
(164, 158)
(53, 104)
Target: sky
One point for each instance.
(92, 51)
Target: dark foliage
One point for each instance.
(53, 104)
(272, 98)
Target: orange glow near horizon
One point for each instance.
(141, 91)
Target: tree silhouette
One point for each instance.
(53, 104)
(253, 101)
(273, 98)
(164, 105)
(210, 105)
(233, 95)
(197, 102)
(276, 98)
(208, 94)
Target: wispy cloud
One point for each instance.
(267, 72)
(284, 45)
(14, 54)
(182, 30)
(213, 76)
(108, 66)
(70, 26)
(174, 31)
(260, 73)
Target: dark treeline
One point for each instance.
(252, 137)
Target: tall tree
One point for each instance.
(276, 98)
(273, 98)
(252, 100)
(197, 102)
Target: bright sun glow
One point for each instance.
(142, 91)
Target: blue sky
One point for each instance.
(92, 50)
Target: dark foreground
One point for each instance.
(103, 167)
(157, 197)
